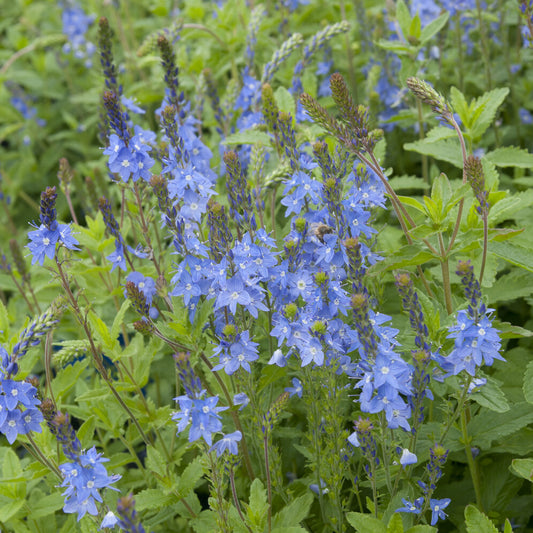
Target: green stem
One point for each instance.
(471, 462)
(445, 267)
(485, 245)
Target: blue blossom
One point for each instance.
(228, 443)
(408, 458)
(42, 244)
(201, 414)
(296, 388)
(241, 399)
(437, 507)
(237, 354)
(83, 479)
(118, 257)
(278, 359)
(408, 507)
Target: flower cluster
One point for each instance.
(44, 239)
(476, 341)
(75, 26)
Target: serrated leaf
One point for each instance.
(510, 156)
(488, 426)
(190, 476)
(477, 522)
(155, 462)
(445, 150)
(484, 110)
(152, 499)
(514, 254)
(406, 256)
(293, 513)
(366, 523)
(459, 104)
(522, 468)
(258, 507)
(407, 182)
(491, 397)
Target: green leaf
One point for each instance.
(510, 156)
(285, 101)
(257, 510)
(491, 397)
(422, 529)
(406, 256)
(433, 28)
(415, 28)
(86, 431)
(522, 468)
(152, 499)
(460, 105)
(155, 462)
(484, 110)
(395, 524)
(412, 202)
(101, 332)
(445, 150)
(65, 380)
(13, 482)
(403, 17)
(119, 318)
(477, 522)
(191, 475)
(507, 528)
(407, 182)
(365, 523)
(514, 254)
(488, 426)
(293, 513)
(4, 323)
(528, 383)
(46, 505)
(248, 137)
(10, 509)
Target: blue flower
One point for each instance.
(408, 507)
(437, 507)
(408, 458)
(228, 443)
(296, 388)
(118, 258)
(201, 414)
(42, 244)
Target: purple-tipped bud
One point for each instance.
(412, 306)
(168, 60)
(48, 208)
(105, 37)
(471, 288)
(138, 299)
(109, 219)
(66, 436)
(271, 417)
(129, 521)
(191, 383)
(117, 118)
